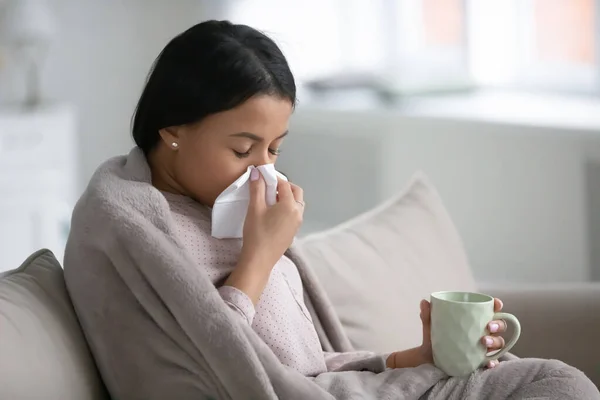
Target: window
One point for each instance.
(563, 31)
(563, 50)
(443, 22)
(423, 45)
(308, 32)
(535, 44)
(430, 47)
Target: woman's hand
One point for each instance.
(494, 341)
(269, 231)
(424, 353)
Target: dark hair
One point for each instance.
(214, 66)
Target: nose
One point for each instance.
(263, 158)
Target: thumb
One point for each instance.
(257, 191)
(425, 313)
(426, 321)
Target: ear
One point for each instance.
(170, 136)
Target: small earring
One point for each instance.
(174, 145)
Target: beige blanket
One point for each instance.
(158, 329)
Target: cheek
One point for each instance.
(225, 175)
(206, 174)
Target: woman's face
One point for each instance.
(212, 154)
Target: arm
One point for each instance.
(359, 360)
(268, 233)
(250, 277)
(239, 302)
(244, 286)
(407, 358)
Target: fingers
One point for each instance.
(298, 196)
(492, 364)
(287, 191)
(284, 191)
(493, 343)
(297, 192)
(257, 190)
(498, 305)
(426, 322)
(498, 326)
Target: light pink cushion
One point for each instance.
(378, 266)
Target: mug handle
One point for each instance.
(517, 332)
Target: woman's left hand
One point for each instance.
(493, 341)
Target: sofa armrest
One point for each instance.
(560, 321)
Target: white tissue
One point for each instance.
(231, 206)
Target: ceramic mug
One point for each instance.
(459, 320)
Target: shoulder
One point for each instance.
(117, 202)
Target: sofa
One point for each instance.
(375, 268)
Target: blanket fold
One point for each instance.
(157, 326)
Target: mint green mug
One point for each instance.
(459, 321)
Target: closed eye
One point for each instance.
(274, 152)
(241, 155)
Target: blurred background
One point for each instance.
(497, 101)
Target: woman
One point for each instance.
(218, 100)
(228, 115)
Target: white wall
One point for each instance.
(521, 196)
(100, 61)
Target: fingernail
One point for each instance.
(494, 328)
(488, 341)
(254, 174)
(501, 303)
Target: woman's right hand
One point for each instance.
(270, 230)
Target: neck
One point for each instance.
(162, 176)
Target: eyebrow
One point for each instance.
(254, 137)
